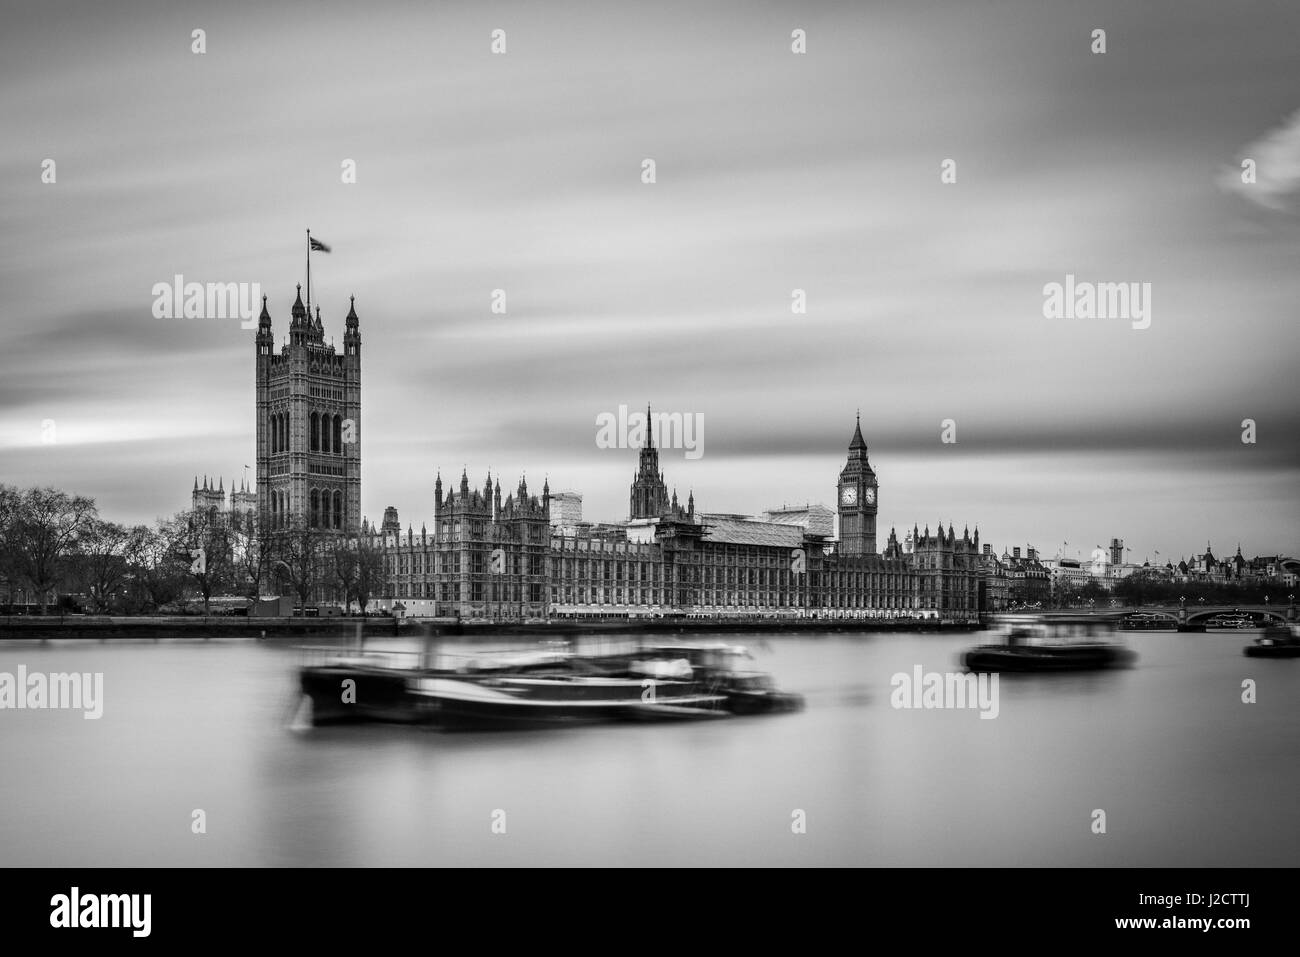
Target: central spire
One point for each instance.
(858, 441)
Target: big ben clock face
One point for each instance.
(871, 496)
(848, 495)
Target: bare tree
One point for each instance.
(343, 565)
(105, 552)
(255, 553)
(370, 572)
(206, 541)
(10, 500)
(160, 576)
(299, 559)
(44, 526)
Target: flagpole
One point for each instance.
(309, 274)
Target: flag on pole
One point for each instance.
(319, 247)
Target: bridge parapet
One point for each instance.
(1201, 613)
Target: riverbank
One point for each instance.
(146, 628)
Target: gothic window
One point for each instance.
(325, 509)
(275, 435)
(315, 508)
(338, 509)
(337, 446)
(315, 433)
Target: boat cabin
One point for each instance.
(1033, 630)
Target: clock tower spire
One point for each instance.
(857, 499)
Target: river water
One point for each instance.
(1186, 773)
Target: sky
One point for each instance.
(774, 171)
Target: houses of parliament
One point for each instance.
(486, 556)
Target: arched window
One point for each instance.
(284, 433)
(275, 435)
(325, 509)
(315, 432)
(315, 507)
(326, 434)
(338, 506)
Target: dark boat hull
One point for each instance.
(1272, 651)
(764, 702)
(376, 694)
(1027, 659)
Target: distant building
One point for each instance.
(815, 519)
(1029, 582)
(211, 499)
(995, 581)
(1067, 572)
(566, 511)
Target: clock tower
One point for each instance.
(857, 500)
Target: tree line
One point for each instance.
(56, 544)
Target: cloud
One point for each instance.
(1276, 156)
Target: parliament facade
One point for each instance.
(500, 559)
(489, 557)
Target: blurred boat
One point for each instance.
(547, 688)
(1052, 643)
(376, 685)
(1277, 641)
(728, 670)
(1231, 621)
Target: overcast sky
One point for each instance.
(775, 171)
